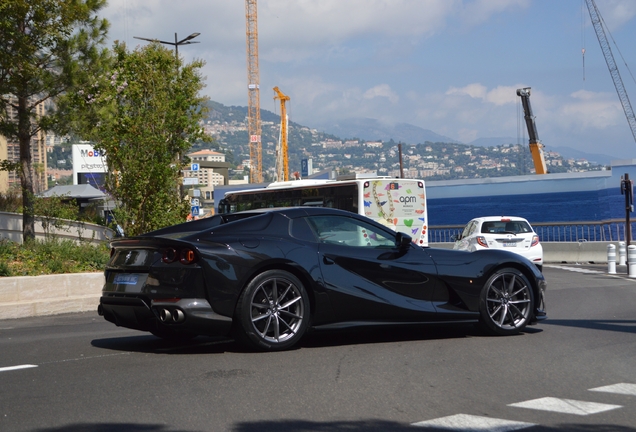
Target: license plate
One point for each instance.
(510, 244)
(126, 279)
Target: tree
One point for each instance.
(48, 47)
(144, 115)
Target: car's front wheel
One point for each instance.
(273, 311)
(506, 302)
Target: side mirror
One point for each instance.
(403, 241)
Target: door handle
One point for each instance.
(327, 260)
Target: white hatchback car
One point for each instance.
(502, 232)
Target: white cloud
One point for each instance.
(500, 95)
(382, 90)
(480, 11)
(590, 110)
(616, 13)
(475, 91)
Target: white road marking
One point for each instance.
(472, 423)
(12, 368)
(565, 406)
(576, 269)
(621, 388)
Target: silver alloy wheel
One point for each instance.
(508, 301)
(277, 310)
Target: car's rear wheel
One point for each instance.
(273, 311)
(506, 302)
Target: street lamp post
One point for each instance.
(176, 43)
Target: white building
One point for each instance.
(207, 178)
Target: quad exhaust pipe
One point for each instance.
(171, 316)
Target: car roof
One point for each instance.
(499, 218)
(214, 222)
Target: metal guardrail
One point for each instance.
(607, 230)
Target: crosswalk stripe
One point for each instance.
(12, 368)
(565, 406)
(621, 388)
(472, 423)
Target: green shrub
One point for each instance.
(51, 257)
(4, 269)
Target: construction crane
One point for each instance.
(253, 94)
(596, 18)
(282, 160)
(536, 148)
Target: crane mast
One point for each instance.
(536, 148)
(595, 16)
(282, 161)
(253, 93)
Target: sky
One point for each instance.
(451, 66)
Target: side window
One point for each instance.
(349, 232)
(470, 228)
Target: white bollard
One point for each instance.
(622, 253)
(631, 261)
(611, 259)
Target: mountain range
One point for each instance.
(370, 129)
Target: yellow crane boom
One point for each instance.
(282, 161)
(536, 148)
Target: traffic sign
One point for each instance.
(194, 210)
(194, 167)
(194, 202)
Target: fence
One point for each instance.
(605, 231)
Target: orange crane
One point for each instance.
(282, 160)
(536, 148)
(253, 93)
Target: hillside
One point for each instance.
(424, 153)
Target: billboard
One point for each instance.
(89, 165)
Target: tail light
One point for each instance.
(184, 256)
(481, 241)
(535, 240)
(169, 256)
(187, 256)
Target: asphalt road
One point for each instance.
(574, 372)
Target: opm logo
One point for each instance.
(408, 199)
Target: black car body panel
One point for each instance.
(190, 278)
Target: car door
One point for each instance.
(367, 276)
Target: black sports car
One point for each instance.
(268, 276)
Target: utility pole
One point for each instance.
(627, 189)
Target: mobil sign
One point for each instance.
(87, 160)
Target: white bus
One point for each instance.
(397, 203)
